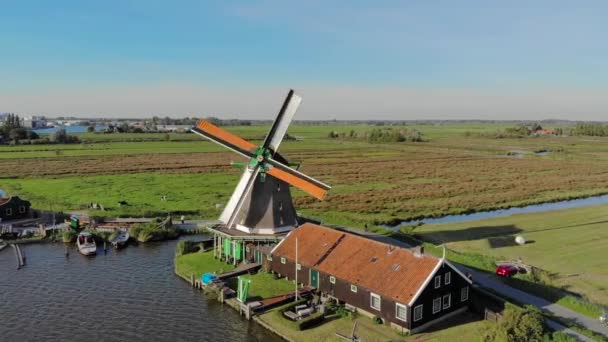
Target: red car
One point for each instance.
(506, 270)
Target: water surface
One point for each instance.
(535, 208)
(128, 295)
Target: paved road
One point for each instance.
(491, 281)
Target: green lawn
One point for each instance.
(264, 285)
(199, 263)
(465, 327)
(569, 243)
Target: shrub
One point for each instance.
(68, 236)
(517, 325)
(185, 247)
(310, 321)
(377, 320)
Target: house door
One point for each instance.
(314, 278)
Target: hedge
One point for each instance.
(302, 324)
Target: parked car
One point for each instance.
(506, 270)
(604, 318)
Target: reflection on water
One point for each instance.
(127, 295)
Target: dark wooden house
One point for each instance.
(14, 208)
(405, 288)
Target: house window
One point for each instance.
(353, 288)
(269, 257)
(418, 313)
(464, 294)
(375, 301)
(9, 211)
(436, 305)
(438, 281)
(401, 312)
(298, 267)
(446, 301)
(447, 278)
(22, 209)
(332, 279)
(283, 261)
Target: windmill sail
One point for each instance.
(281, 124)
(261, 201)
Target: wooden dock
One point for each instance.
(268, 303)
(241, 269)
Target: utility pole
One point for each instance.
(296, 266)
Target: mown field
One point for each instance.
(570, 244)
(452, 172)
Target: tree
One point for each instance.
(518, 325)
(60, 136)
(91, 129)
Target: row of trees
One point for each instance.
(12, 131)
(381, 135)
(591, 129)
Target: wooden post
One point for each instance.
(192, 279)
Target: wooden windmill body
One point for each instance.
(261, 202)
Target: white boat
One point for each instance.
(86, 244)
(120, 240)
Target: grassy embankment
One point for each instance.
(372, 183)
(263, 285)
(568, 245)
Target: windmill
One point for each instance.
(261, 202)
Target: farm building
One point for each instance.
(406, 289)
(13, 208)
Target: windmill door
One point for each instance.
(314, 278)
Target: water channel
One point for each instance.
(126, 295)
(535, 208)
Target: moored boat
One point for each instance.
(86, 244)
(120, 240)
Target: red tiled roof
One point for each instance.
(312, 245)
(384, 269)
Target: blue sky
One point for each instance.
(354, 59)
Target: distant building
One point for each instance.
(406, 288)
(13, 208)
(34, 122)
(545, 132)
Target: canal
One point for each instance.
(534, 208)
(126, 295)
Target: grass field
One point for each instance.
(372, 183)
(570, 244)
(263, 285)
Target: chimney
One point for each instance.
(419, 251)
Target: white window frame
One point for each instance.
(332, 279)
(371, 301)
(22, 209)
(353, 288)
(283, 261)
(438, 281)
(298, 267)
(269, 257)
(404, 307)
(447, 278)
(418, 309)
(437, 302)
(464, 294)
(9, 211)
(449, 301)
